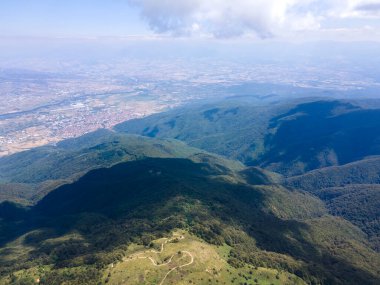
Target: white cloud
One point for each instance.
(261, 18)
(366, 9)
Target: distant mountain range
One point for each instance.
(287, 138)
(292, 187)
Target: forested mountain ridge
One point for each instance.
(233, 129)
(366, 171)
(303, 208)
(321, 134)
(287, 138)
(28, 176)
(351, 191)
(85, 225)
(320, 146)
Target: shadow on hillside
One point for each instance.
(320, 134)
(141, 200)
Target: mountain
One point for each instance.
(290, 138)
(27, 176)
(80, 231)
(113, 207)
(319, 134)
(359, 204)
(351, 191)
(328, 148)
(233, 129)
(366, 171)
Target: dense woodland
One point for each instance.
(74, 208)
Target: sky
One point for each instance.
(288, 20)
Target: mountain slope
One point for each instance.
(97, 200)
(351, 191)
(322, 147)
(87, 225)
(320, 134)
(359, 204)
(232, 129)
(290, 138)
(28, 176)
(365, 171)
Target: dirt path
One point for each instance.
(138, 256)
(178, 267)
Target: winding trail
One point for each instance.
(138, 256)
(178, 267)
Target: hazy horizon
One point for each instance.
(88, 60)
(336, 34)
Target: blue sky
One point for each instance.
(346, 20)
(75, 18)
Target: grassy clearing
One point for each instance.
(209, 266)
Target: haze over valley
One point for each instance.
(46, 100)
